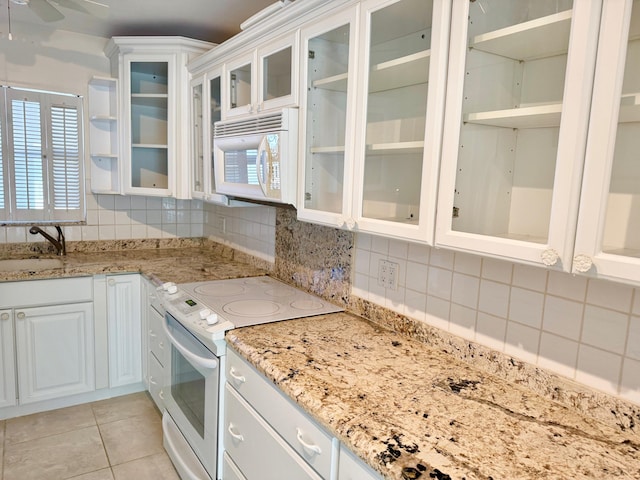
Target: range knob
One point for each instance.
(204, 313)
(170, 287)
(212, 319)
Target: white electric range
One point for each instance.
(197, 316)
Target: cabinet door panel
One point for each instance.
(7, 359)
(55, 353)
(513, 146)
(608, 235)
(124, 326)
(405, 46)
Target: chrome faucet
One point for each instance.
(59, 244)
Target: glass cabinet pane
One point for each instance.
(240, 86)
(149, 124)
(326, 109)
(621, 234)
(398, 71)
(215, 115)
(513, 92)
(276, 74)
(198, 146)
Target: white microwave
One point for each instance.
(256, 158)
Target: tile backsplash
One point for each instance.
(585, 329)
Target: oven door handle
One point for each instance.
(210, 363)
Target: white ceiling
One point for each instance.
(211, 20)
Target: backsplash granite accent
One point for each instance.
(314, 257)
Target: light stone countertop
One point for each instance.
(408, 408)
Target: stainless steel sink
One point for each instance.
(30, 264)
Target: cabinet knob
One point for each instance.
(350, 223)
(111, 282)
(550, 257)
(582, 263)
(21, 315)
(4, 316)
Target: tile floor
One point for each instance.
(114, 439)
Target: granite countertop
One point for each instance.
(409, 409)
(181, 264)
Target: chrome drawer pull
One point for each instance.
(312, 448)
(237, 436)
(239, 378)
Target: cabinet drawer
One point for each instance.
(158, 344)
(46, 292)
(352, 468)
(156, 381)
(308, 439)
(229, 469)
(256, 448)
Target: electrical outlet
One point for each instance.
(388, 274)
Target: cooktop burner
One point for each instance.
(254, 300)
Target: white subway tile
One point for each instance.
(107, 202)
(122, 217)
(138, 217)
(169, 217)
(439, 283)
(362, 261)
(138, 231)
(567, 286)
(494, 298)
(154, 217)
(416, 278)
(122, 202)
(92, 217)
(374, 264)
(462, 321)
(106, 217)
(442, 258)
(16, 234)
(394, 299)
(636, 302)
(633, 340)
(533, 278)
(419, 253)
(522, 342)
(630, 383)
(123, 232)
(614, 296)
(491, 330)
(605, 329)
(599, 369)
(138, 203)
(398, 249)
(154, 203)
(169, 231)
(558, 354)
(380, 245)
(526, 306)
(90, 233)
(360, 287)
(415, 304)
(497, 270)
(563, 317)
(438, 312)
(168, 203)
(107, 232)
(464, 290)
(467, 263)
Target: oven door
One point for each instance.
(192, 392)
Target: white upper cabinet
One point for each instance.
(608, 234)
(517, 114)
(328, 80)
(263, 78)
(154, 104)
(404, 47)
(373, 85)
(198, 130)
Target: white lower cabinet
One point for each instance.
(7, 363)
(267, 436)
(157, 346)
(125, 329)
(47, 337)
(54, 346)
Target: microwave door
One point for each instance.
(235, 166)
(268, 166)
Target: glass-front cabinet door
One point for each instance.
(278, 73)
(151, 138)
(400, 116)
(608, 235)
(240, 95)
(518, 99)
(197, 138)
(325, 174)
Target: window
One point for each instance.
(42, 157)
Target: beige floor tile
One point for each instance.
(104, 474)
(38, 425)
(118, 408)
(153, 467)
(55, 457)
(132, 438)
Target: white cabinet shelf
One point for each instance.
(538, 116)
(542, 37)
(395, 148)
(328, 149)
(400, 72)
(103, 135)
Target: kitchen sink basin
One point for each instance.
(30, 264)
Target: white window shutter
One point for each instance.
(4, 208)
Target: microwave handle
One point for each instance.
(261, 158)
